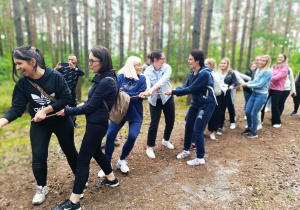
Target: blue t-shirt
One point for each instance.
(133, 88)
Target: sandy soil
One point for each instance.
(239, 173)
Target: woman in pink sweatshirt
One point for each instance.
(279, 73)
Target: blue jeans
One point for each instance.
(255, 102)
(247, 95)
(196, 121)
(113, 129)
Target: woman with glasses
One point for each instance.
(105, 88)
(158, 82)
(133, 83)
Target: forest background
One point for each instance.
(238, 29)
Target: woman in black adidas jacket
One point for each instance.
(30, 61)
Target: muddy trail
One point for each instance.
(239, 173)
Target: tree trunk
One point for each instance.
(86, 38)
(27, 20)
(202, 23)
(243, 35)
(121, 33)
(156, 14)
(70, 27)
(161, 39)
(226, 27)
(97, 22)
(186, 28)
(108, 20)
(287, 23)
(76, 42)
(256, 27)
(197, 23)
(189, 29)
(102, 22)
(49, 29)
(57, 33)
(33, 23)
(130, 28)
(251, 32)
(145, 29)
(170, 31)
(235, 32)
(207, 26)
(295, 23)
(64, 15)
(269, 28)
(179, 43)
(18, 23)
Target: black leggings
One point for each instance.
(40, 134)
(91, 147)
(169, 111)
(296, 102)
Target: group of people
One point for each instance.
(48, 93)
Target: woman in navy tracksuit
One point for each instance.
(133, 84)
(200, 85)
(105, 88)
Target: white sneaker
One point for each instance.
(150, 152)
(183, 154)
(267, 109)
(196, 162)
(212, 136)
(277, 125)
(81, 196)
(245, 118)
(167, 144)
(232, 126)
(40, 194)
(101, 174)
(259, 127)
(122, 165)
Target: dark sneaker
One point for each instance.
(294, 113)
(219, 132)
(67, 205)
(252, 135)
(106, 182)
(246, 131)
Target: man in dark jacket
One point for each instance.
(71, 74)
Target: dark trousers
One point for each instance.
(215, 117)
(91, 147)
(155, 111)
(231, 111)
(113, 130)
(275, 99)
(296, 102)
(225, 101)
(282, 100)
(40, 134)
(196, 121)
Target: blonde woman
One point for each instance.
(230, 80)
(259, 95)
(134, 83)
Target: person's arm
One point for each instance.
(197, 85)
(292, 81)
(259, 83)
(58, 66)
(79, 70)
(102, 90)
(283, 72)
(233, 82)
(19, 103)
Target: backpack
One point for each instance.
(217, 85)
(120, 107)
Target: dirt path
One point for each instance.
(239, 173)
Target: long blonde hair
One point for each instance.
(228, 66)
(212, 63)
(267, 66)
(128, 70)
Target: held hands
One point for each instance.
(168, 93)
(61, 113)
(231, 88)
(58, 66)
(244, 84)
(71, 65)
(146, 93)
(39, 116)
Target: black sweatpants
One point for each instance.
(225, 101)
(296, 102)
(155, 111)
(91, 147)
(40, 134)
(282, 100)
(275, 100)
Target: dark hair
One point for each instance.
(26, 53)
(198, 56)
(155, 54)
(284, 55)
(103, 55)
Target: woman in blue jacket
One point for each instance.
(105, 88)
(200, 85)
(258, 98)
(133, 83)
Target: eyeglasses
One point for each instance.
(91, 62)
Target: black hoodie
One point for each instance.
(52, 83)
